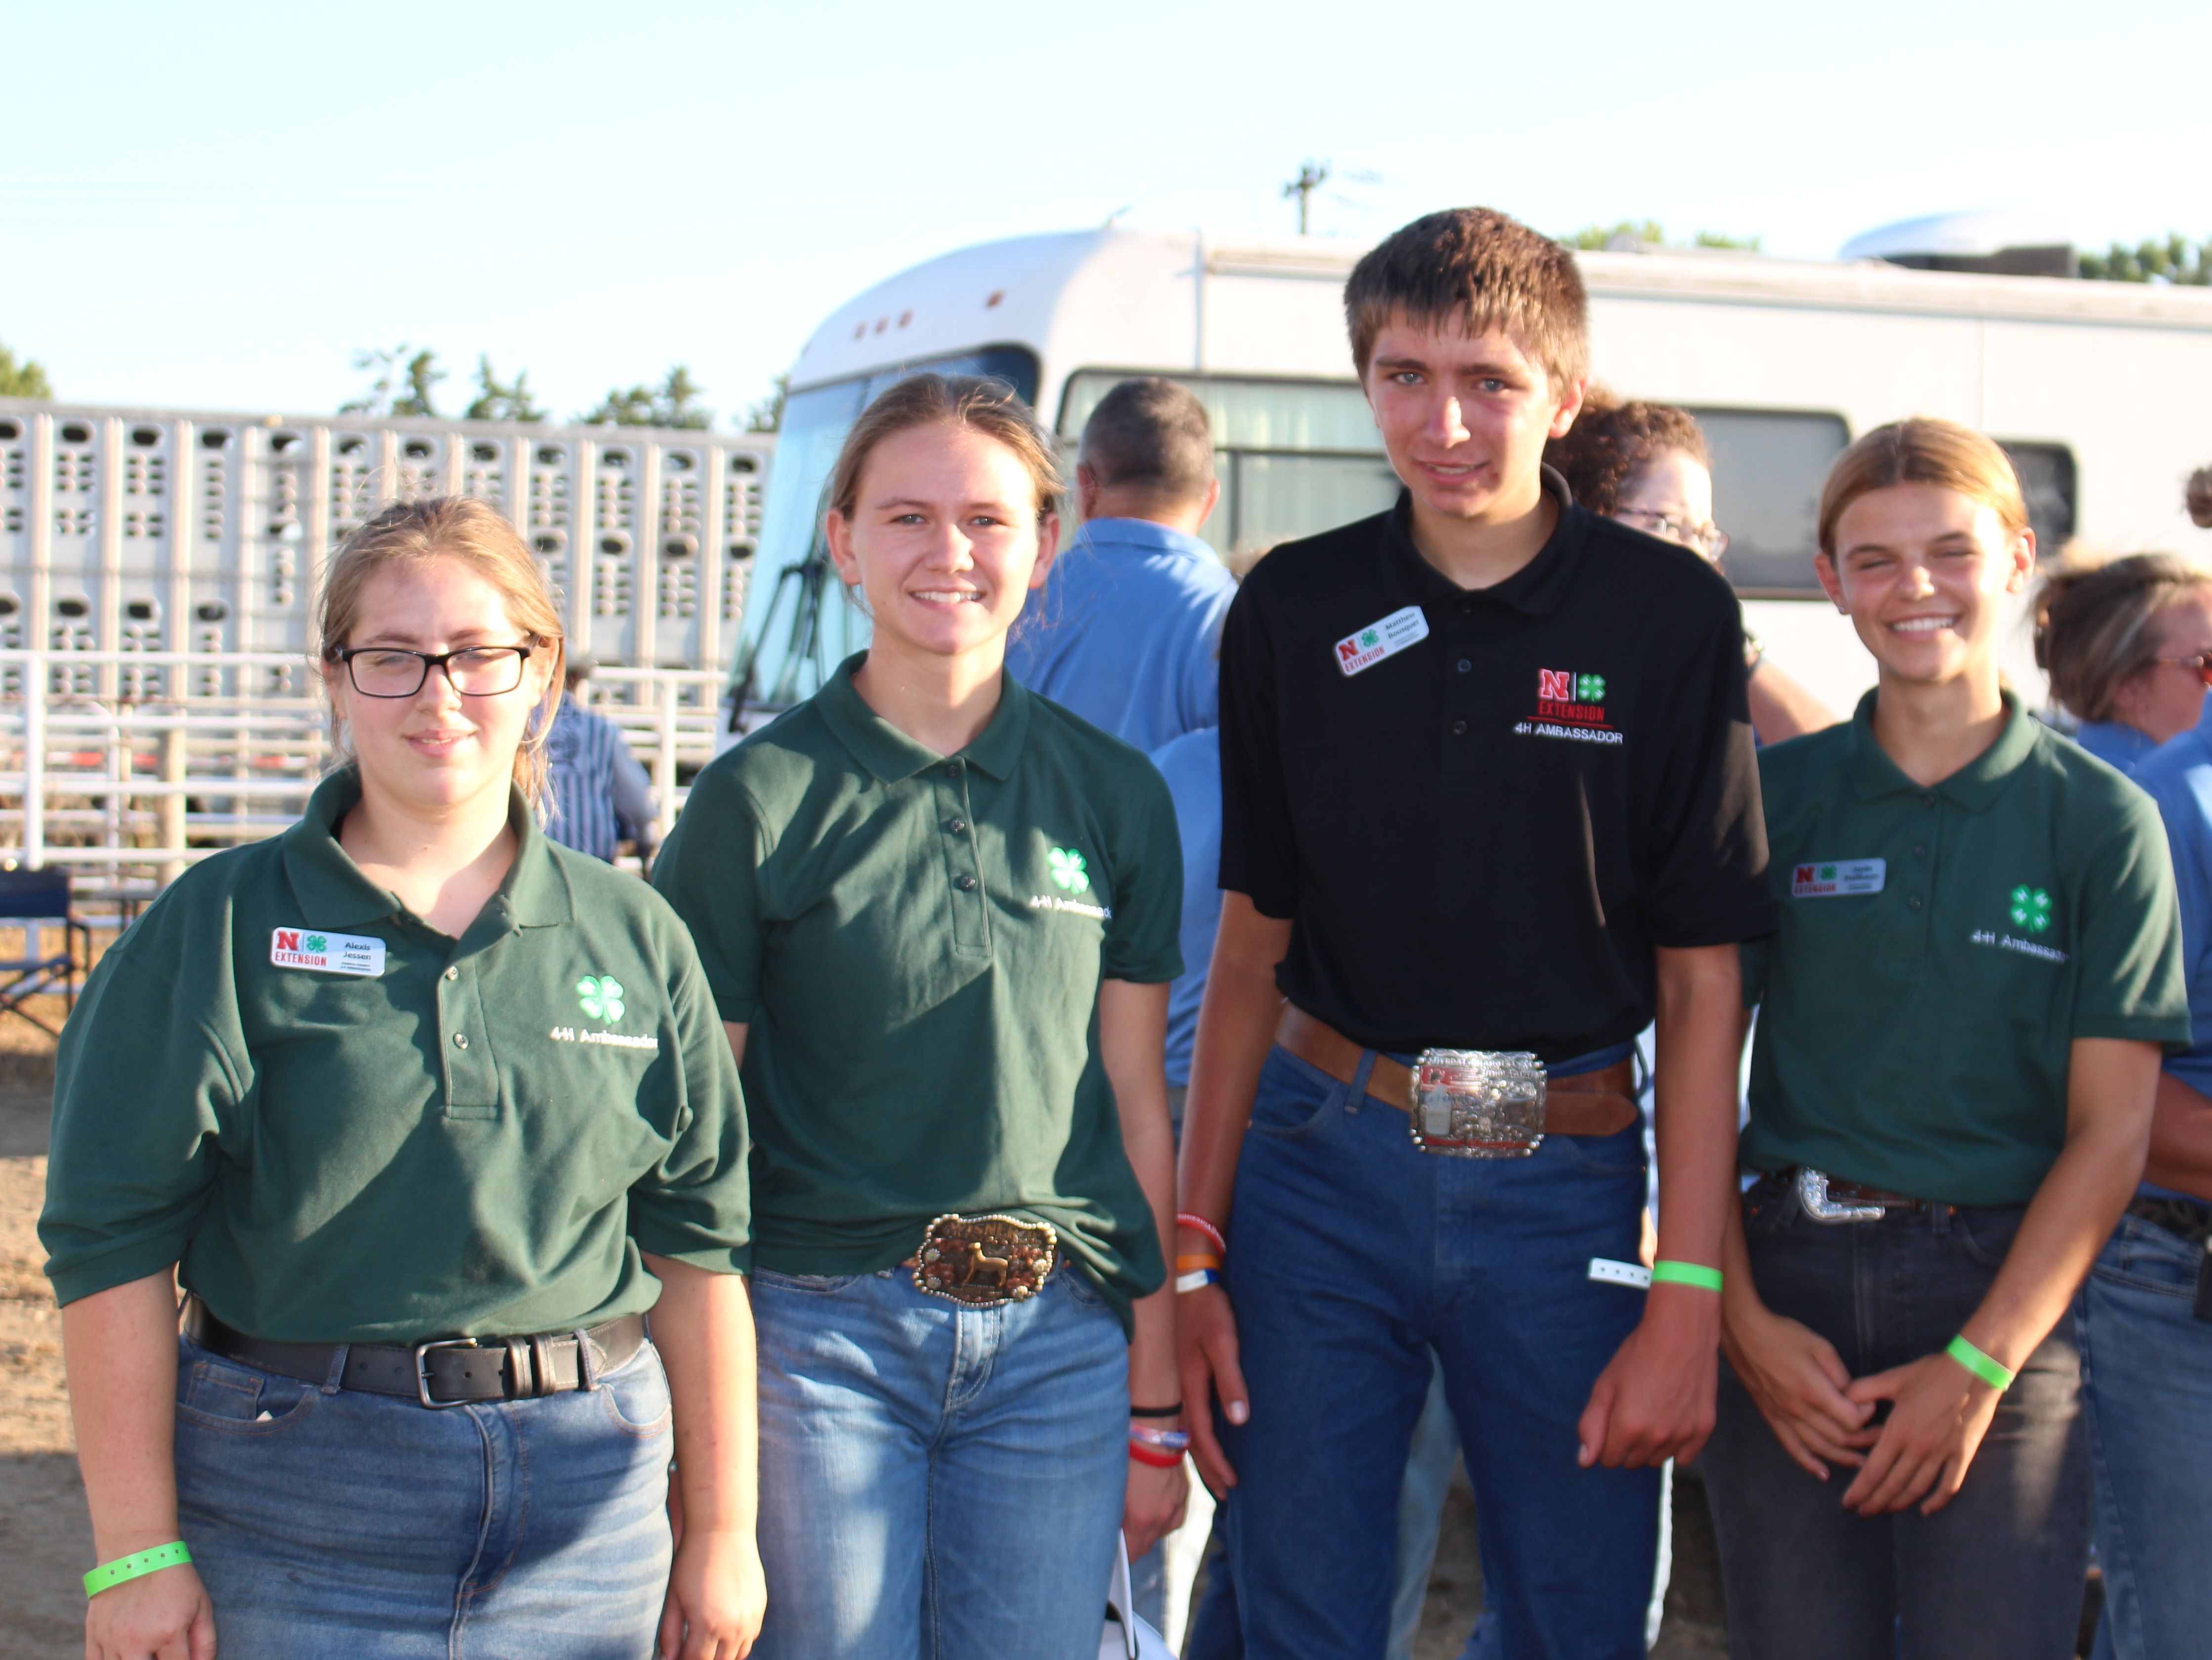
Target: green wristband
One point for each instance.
(1990, 1371)
(1664, 1273)
(108, 1575)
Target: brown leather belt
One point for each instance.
(1588, 1104)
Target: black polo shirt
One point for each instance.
(1483, 810)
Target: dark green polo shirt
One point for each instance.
(1939, 951)
(916, 944)
(350, 1127)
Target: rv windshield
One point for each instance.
(797, 623)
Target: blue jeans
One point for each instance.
(2147, 1383)
(937, 1482)
(337, 1525)
(1352, 1255)
(1996, 1574)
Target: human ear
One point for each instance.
(1569, 406)
(837, 531)
(1048, 549)
(1831, 582)
(2022, 550)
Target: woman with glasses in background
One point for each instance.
(2127, 645)
(423, 1113)
(1646, 464)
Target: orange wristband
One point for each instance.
(1184, 1265)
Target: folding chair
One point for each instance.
(37, 898)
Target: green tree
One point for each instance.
(766, 416)
(2177, 259)
(673, 403)
(404, 385)
(502, 401)
(1596, 238)
(27, 379)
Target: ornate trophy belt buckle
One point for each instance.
(985, 1261)
(1813, 1199)
(1478, 1103)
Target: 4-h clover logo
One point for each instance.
(601, 998)
(1068, 870)
(1590, 688)
(1369, 637)
(315, 942)
(2031, 909)
(1827, 873)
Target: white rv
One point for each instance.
(2095, 388)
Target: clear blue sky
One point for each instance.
(215, 205)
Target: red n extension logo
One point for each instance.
(287, 940)
(1555, 685)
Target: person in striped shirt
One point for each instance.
(598, 795)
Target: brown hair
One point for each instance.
(2197, 497)
(1922, 450)
(1151, 436)
(1478, 269)
(1612, 442)
(2093, 624)
(990, 407)
(411, 534)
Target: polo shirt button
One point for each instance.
(1920, 852)
(1927, 800)
(951, 769)
(1913, 902)
(460, 1040)
(966, 884)
(1465, 667)
(957, 826)
(452, 973)
(1459, 729)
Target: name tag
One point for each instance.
(1827, 878)
(326, 954)
(1386, 637)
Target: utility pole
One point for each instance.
(1311, 177)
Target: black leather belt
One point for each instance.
(2187, 1220)
(444, 1372)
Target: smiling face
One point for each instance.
(1922, 571)
(944, 541)
(1464, 417)
(437, 749)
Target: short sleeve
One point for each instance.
(1142, 938)
(142, 1087)
(709, 871)
(1706, 883)
(695, 1205)
(1201, 669)
(1752, 957)
(2129, 935)
(1258, 856)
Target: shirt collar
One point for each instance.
(333, 893)
(1142, 536)
(1973, 786)
(891, 755)
(1535, 589)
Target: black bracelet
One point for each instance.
(1174, 1411)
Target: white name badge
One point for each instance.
(1826, 878)
(325, 953)
(1386, 637)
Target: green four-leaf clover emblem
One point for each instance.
(600, 996)
(1369, 637)
(1068, 870)
(2030, 908)
(1827, 873)
(315, 942)
(1590, 688)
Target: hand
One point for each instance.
(1654, 1401)
(161, 1615)
(1154, 1506)
(1796, 1380)
(1206, 1344)
(716, 1596)
(1938, 1414)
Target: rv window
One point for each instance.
(1768, 468)
(2046, 480)
(1250, 415)
(1273, 498)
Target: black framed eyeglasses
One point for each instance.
(1708, 539)
(476, 671)
(2201, 664)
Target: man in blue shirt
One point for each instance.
(2144, 1317)
(596, 793)
(1125, 632)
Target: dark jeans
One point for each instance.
(1997, 1572)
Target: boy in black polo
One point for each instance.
(1488, 786)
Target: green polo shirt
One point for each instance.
(916, 944)
(351, 1128)
(1940, 948)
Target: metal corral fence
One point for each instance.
(104, 768)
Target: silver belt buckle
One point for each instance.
(1813, 1199)
(1478, 1103)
